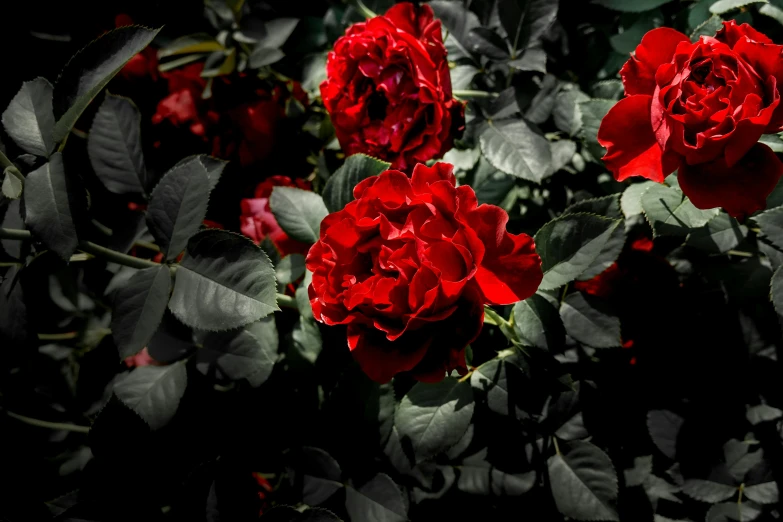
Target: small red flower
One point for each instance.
(408, 266)
(388, 90)
(700, 108)
(257, 221)
(143, 358)
(183, 106)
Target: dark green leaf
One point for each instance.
(766, 493)
(642, 468)
(307, 339)
(277, 32)
(49, 197)
(589, 321)
(290, 268)
(262, 56)
(570, 244)
(11, 217)
(249, 353)
(153, 392)
(773, 141)
(213, 166)
(462, 77)
(562, 153)
(458, 20)
(487, 42)
(537, 323)
(531, 60)
(566, 112)
(177, 206)
(708, 28)
(584, 482)
(708, 491)
(138, 309)
(29, 119)
(776, 13)
(504, 380)
(699, 12)
(190, 44)
(608, 206)
(513, 147)
(298, 212)
(664, 427)
(225, 281)
(433, 417)
(635, 6)
(669, 212)
(88, 72)
(593, 112)
(719, 235)
(321, 476)
(763, 413)
(14, 326)
(13, 182)
(114, 146)
(724, 6)
(631, 36)
(771, 224)
(732, 512)
(338, 190)
(379, 500)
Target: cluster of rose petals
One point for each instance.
(700, 108)
(408, 266)
(388, 88)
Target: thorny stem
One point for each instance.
(50, 425)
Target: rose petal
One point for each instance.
(632, 149)
(656, 48)
(731, 33)
(741, 189)
(380, 358)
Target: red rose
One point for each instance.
(700, 108)
(408, 266)
(143, 358)
(183, 106)
(388, 90)
(258, 222)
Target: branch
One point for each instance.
(50, 425)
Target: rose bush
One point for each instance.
(700, 108)
(408, 267)
(388, 89)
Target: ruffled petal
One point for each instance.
(656, 48)
(741, 189)
(632, 149)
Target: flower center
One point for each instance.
(376, 106)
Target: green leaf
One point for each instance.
(139, 307)
(433, 417)
(224, 281)
(593, 112)
(708, 491)
(608, 90)
(771, 224)
(504, 380)
(525, 22)
(631, 36)
(635, 6)
(584, 482)
(263, 56)
(307, 339)
(570, 244)
(13, 182)
(278, 31)
(153, 392)
(642, 469)
(114, 146)
(664, 427)
(537, 323)
(290, 268)
(15, 328)
(249, 353)
(608, 206)
(533, 60)
(724, 6)
(321, 476)
(459, 21)
(193, 43)
(719, 235)
(671, 213)
(763, 413)
(338, 190)
(29, 119)
(177, 207)
(88, 72)
(566, 113)
(708, 28)
(298, 212)
(773, 141)
(732, 512)
(589, 321)
(699, 12)
(213, 166)
(562, 153)
(631, 200)
(766, 493)
(513, 147)
(378, 500)
(49, 197)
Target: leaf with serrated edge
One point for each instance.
(153, 392)
(224, 281)
(707, 491)
(338, 190)
(290, 268)
(584, 482)
(379, 500)
(435, 416)
(139, 308)
(766, 493)
(29, 119)
(249, 353)
(513, 147)
(664, 427)
(114, 146)
(178, 206)
(586, 320)
(298, 212)
(91, 69)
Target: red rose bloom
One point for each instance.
(257, 221)
(389, 91)
(700, 108)
(408, 266)
(183, 106)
